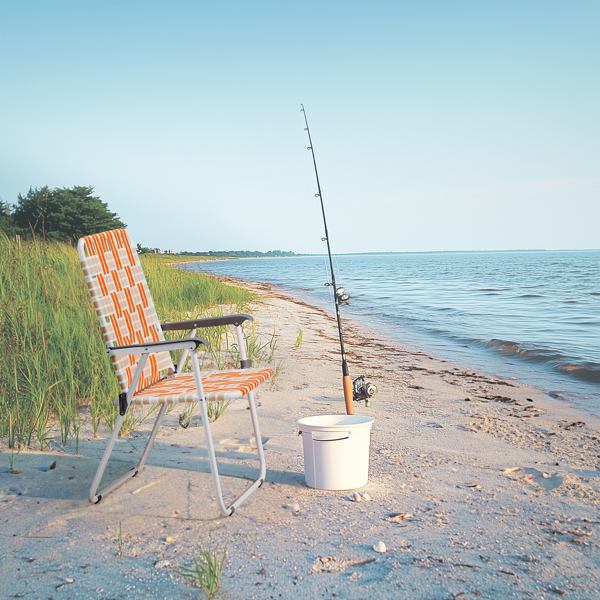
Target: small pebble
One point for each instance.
(366, 497)
(356, 497)
(296, 507)
(380, 547)
(545, 475)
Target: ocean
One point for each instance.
(529, 315)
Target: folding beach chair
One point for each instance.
(140, 354)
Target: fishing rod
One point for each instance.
(359, 389)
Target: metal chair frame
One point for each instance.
(189, 346)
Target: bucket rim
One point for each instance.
(345, 422)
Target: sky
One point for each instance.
(436, 125)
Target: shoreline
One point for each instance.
(497, 487)
(552, 396)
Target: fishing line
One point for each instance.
(359, 389)
(317, 217)
(346, 382)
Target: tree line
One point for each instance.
(239, 253)
(57, 214)
(63, 214)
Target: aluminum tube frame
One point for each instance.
(227, 510)
(184, 355)
(93, 497)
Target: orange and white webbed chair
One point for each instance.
(140, 354)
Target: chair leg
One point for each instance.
(152, 437)
(261, 456)
(212, 458)
(227, 511)
(95, 498)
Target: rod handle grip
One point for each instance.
(348, 396)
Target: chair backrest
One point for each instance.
(123, 303)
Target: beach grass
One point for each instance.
(54, 370)
(299, 338)
(206, 572)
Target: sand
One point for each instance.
(456, 524)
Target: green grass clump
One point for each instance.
(206, 572)
(299, 338)
(179, 293)
(51, 346)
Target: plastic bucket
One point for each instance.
(336, 451)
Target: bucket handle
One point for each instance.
(327, 440)
(316, 439)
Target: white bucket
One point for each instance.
(336, 451)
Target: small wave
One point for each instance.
(531, 296)
(581, 372)
(586, 372)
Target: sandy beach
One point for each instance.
(480, 488)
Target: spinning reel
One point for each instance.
(342, 296)
(363, 390)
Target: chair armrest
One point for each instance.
(151, 347)
(210, 322)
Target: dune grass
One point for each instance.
(206, 572)
(54, 371)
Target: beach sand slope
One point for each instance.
(479, 487)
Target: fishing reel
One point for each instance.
(363, 390)
(341, 295)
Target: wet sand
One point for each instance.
(480, 488)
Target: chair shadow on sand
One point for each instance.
(70, 479)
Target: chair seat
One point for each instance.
(217, 385)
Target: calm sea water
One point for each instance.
(534, 316)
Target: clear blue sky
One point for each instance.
(437, 125)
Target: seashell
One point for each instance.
(296, 507)
(380, 547)
(356, 497)
(366, 497)
(546, 475)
